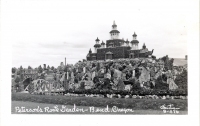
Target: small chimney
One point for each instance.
(186, 57)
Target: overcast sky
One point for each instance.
(47, 31)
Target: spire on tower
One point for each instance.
(127, 41)
(90, 51)
(97, 45)
(134, 34)
(102, 43)
(144, 46)
(114, 33)
(114, 25)
(97, 39)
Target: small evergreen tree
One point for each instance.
(168, 63)
(40, 69)
(65, 69)
(98, 66)
(21, 68)
(17, 80)
(181, 80)
(18, 72)
(52, 68)
(14, 70)
(160, 83)
(29, 67)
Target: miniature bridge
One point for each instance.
(47, 85)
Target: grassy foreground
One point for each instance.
(136, 104)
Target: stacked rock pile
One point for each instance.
(124, 74)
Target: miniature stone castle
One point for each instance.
(116, 48)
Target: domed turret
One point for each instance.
(114, 33)
(127, 42)
(90, 51)
(102, 44)
(134, 42)
(134, 36)
(97, 45)
(97, 40)
(144, 46)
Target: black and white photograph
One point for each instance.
(131, 58)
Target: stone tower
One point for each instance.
(134, 42)
(97, 45)
(127, 42)
(102, 44)
(114, 33)
(144, 46)
(90, 51)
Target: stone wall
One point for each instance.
(135, 52)
(114, 43)
(118, 52)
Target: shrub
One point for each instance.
(160, 84)
(141, 92)
(181, 81)
(82, 85)
(14, 70)
(137, 72)
(17, 80)
(135, 85)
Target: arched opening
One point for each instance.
(109, 55)
(93, 57)
(131, 55)
(27, 81)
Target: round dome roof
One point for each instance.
(97, 45)
(127, 41)
(97, 39)
(114, 31)
(134, 34)
(102, 43)
(134, 41)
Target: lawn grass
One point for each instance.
(136, 104)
